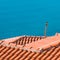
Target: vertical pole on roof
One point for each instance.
(45, 31)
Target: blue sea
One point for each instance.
(28, 17)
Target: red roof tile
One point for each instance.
(43, 49)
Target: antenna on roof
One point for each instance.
(45, 31)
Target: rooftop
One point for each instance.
(30, 47)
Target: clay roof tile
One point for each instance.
(45, 49)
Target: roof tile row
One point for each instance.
(44, 49)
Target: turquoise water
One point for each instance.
(28, 17)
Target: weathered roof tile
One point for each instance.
(44, 49)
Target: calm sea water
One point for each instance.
(28, 17)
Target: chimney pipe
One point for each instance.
(45, 31)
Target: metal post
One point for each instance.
(45, 31)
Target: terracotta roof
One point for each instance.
(22, 40)
(47, 41)
(42, 49)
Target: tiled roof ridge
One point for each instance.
(17, 38)
(22, 36)
(22, 40)
(52, 44)
(47, 46)
(40, 49)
